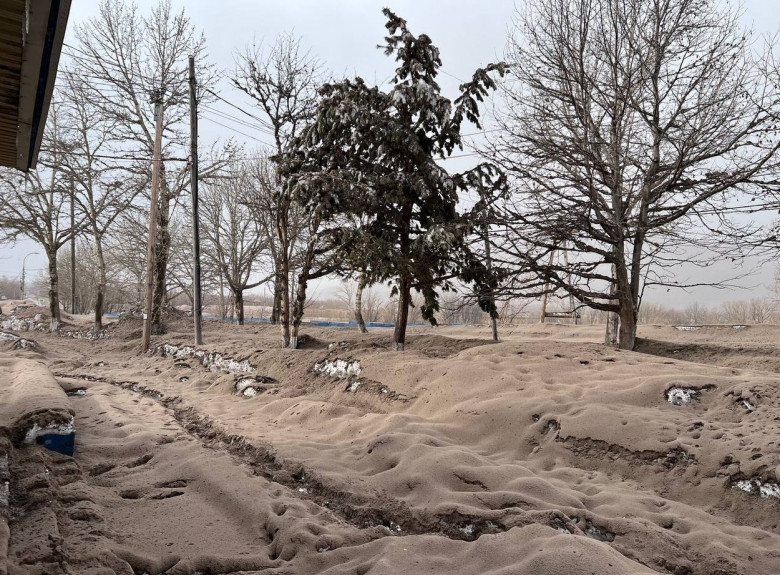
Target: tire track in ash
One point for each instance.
(362, 511)
(165, 502)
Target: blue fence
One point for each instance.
(316, 322)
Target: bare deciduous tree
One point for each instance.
(628, 124)
(127, 57)
(360, 301)
(99, 190)
(233, 237)
(35, 206)
(282, 80)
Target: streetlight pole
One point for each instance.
(24, 262)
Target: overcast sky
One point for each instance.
(344, 35)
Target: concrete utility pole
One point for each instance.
(156, 161)
(72, 249)
(197, 309)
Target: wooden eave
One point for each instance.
(31, 37)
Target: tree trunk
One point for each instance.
(404, 281)
(627, 311)
(284, 282)
(162, 253)
(277, 302)
(101, 287)
(492, 295)
(359, 303)
(627, 331)
(300, 290)
(402, 316)
(54, 296)
(298, 307)
(222, 302)
(611, 335)
(239, 295)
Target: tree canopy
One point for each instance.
(373, 155)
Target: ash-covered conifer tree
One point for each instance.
(371, 155)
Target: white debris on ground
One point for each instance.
(56, 429)
(23, 343)
(211, 359)
(746, 404)
(35, 323)
(681, 395)
(595, 532)
(763, 489)
(338, 368)
(353, 386)
(245, 383)
(88, 334)
(38, 323)
(252, 386)
(18, 342)
(687, 327)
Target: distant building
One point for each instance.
(31, 37)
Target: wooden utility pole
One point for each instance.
(197, 309)
(156, 161)
(72, 249)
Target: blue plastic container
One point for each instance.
(59, 442)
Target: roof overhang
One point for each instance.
(31, 37)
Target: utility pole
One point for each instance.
(72, 249)
(156, 161)
(197, 309)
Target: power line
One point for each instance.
(110, 157)
(236, 120)
(452, 76)
(213, 121)
(482, 132)
(240, 109)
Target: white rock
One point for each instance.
(681, 395)
(769, 490)
(338, 368)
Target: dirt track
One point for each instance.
(546, 453)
